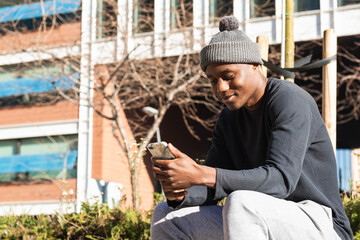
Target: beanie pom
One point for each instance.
(228, 23)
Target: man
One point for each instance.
(271, 156)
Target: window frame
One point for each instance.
(174, 25)
(252, 13)
(103, 30)
(71, 142)
(297, 3)
(341, 3)
(213, 7)
(137, 15)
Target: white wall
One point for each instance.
(307, 26)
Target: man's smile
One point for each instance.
(227, 97)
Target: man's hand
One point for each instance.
(181, 173)
(173, 194)
(178, 173)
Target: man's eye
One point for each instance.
(213, 82)
(226, 78)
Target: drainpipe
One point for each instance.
(88, 31)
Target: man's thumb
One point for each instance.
(174, 150)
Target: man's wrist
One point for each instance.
(174, 203)
(207, 176)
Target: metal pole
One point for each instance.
(282, 64)
(289, 36)
(158, 137)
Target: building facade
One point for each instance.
(55, 154)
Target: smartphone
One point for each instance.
(160, 150)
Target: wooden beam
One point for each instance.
(289, 36)
(329, 85)
(263, 42)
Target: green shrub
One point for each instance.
(96, 221)
(352, 209)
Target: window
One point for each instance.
(262, 8)
(347, 2)
(7, 148)
(17, 80)
(26, 15)
(107, 18)
(7, 3)
(306, 5)
(33, 70)
(143, 16)
(38, 158)
(181, 14)
(218, 9)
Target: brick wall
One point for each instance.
(37, 191)
(59, 111)
(109, 161)
(64, 34)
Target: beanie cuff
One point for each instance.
(230, 52)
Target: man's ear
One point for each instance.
(258, 67)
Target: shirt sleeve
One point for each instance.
(290, 116)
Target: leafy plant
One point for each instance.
(95, 221)
(352, 209)
(98, 221)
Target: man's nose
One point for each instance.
(222, 85)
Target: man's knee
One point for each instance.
(242, 201)
(242, 197)
(242, 218)
(158, 218)
(160, 211)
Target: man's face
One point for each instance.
(236, 85)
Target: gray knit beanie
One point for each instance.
(230, 45)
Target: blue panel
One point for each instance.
(38, 162)
(37, 10)
(343, 159)
(21, 86)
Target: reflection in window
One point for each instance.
(306, 5)
(218, 9)
(107, 18)
(34, 83)
(29, 15)
(143, 16)
(35, 70)
(347, 2)
(262, 8)
(42, 158)
(181, 13)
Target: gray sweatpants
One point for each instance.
(246, 215)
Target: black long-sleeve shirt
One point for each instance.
(281, 149)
